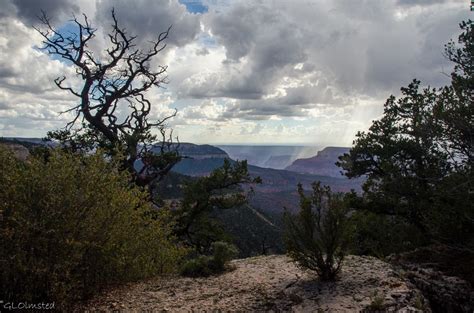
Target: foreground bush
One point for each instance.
(203, 265)
(222, 253)
(73, 224)
(317, 237)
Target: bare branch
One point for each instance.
(115, 84)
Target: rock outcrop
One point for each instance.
(271, 283)
(445, 293)
(436, 271)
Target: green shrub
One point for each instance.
(316, 238)
(200, 266)
(73, 224)
(203, 265)
(222, 253)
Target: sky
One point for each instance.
(299, 72)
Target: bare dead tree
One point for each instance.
(113, 83)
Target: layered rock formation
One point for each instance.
(277, 157)
(321, 164)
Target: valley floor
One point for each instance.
(270, 283)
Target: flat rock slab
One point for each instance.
(270, 283)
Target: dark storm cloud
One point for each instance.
(364, 49)
(8, 9)
(148, 18)
(295, 102)
(6, 72)
(238, 34)
(261, 46)
(262, 110)
(29, 10)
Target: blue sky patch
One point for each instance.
(207, 40)
(194, 6)
(69, 29)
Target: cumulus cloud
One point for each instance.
(295, 102)
(148, 18)
(243, 69)
(27, 91)
(362, 49)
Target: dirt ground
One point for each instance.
(270, 283)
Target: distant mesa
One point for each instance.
(278, 189)
(28, 142)
(194, 151)
(321, 164)
(199, 160)
(277, 157)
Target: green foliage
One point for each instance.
(203, 265)
(222, 252)
(73, 224)
(418, 157)
(197, 267)
(317, 237)
(381, 235)
(399, 155)
(220, 190)
(452, 219)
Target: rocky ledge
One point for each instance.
(271, 283)
(437, 270)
